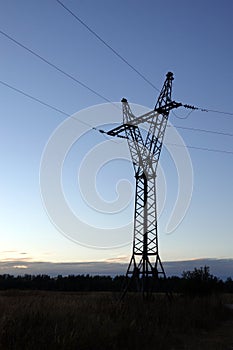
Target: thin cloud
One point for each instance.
(26, 259)
(8, 251)
(120, 259)
(221, 268)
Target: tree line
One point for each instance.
(196, 282)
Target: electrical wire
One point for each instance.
(107, 45)
(203, 130)
(94, 91)
(55, 67)
(202, 110)
(101, 96)
(93, 32)
(34, 98)
(53, 108)
(201, 148)
(105, 133)
(214, 111)
(186, 117)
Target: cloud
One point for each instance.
(63, 268)
(121, 259)
(221, 268)
(8, 251)
(26, 259)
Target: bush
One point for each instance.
(199, 282)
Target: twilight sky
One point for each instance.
(194, 40)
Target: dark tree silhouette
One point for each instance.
(200, 282)
(196, 282)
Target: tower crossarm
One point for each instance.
(147, 117)
(145, 151)
(120, 129)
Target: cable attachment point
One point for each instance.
(195, 108)
(190, 107)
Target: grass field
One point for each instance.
(57, 320)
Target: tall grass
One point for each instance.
(53, 320)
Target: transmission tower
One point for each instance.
(145, 267)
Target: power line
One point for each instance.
(202, 110)
(69, 115)
(48, 105)
(203, 130)
(55, 67)
(107, 45)
(101, 96)
(103, 132)
(186, 117)
(214, 111)
(43, 103)
(92, 90)
(34, 98)
(201, 148)
(93, 32)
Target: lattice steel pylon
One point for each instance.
(145, 266)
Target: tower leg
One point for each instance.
(145, 268)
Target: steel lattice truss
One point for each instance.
(145, 265)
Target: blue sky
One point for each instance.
(192, 39)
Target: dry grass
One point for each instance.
(53, 320)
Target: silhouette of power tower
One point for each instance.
(145, 267)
